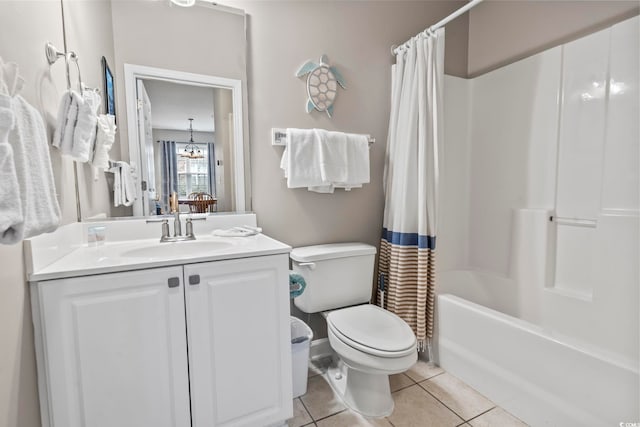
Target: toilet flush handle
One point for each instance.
(311, 265)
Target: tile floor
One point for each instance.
(424, 396)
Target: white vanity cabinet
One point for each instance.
(239, 341)
(112, 349)
(146, 348)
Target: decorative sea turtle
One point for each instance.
(321, 84)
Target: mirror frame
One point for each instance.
(133, 72)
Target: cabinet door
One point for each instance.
(239, 341)
(114, 349)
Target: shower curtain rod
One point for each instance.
(397, 49)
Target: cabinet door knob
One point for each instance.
(194, 279)
(174, 282)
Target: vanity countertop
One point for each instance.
(134, 244)
(150, 253)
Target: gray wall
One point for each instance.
(502, 32)
(356, 36)
(83, 18)
(282, 36)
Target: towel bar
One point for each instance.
(278, 136)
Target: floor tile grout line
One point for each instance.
(306, 409)
(426, 379)
(327, 416)
(443, 404)
(404, 388)
(412, 380)
(465, 420)
(482, 413)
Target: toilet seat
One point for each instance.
(372, 330)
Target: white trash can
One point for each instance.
(301, 336)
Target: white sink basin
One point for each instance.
(177, 249)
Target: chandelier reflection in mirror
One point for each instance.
(191, 150)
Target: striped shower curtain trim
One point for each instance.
(407, 280)
(409, 239)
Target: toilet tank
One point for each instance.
(337, 275)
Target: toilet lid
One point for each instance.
(373, 327)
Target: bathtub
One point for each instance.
(540, 378)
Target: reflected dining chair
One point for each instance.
(202, 203)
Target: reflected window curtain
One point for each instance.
(169, 172)
(212, 168)
(406, 271)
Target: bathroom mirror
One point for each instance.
(186, 60)
(185, 126)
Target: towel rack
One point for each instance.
(53, 54)
(279, 135)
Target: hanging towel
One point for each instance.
(117, 185)
(323, 160)
(301, 159)
(11, 82)
(128, 184)
(63, 111)
(11, 218)
(84, 134)
(28, 139)
(68, 121)
(344, 160)
(105, 136)
(124, 184)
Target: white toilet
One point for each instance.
(370, 342)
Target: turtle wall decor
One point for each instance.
(322, 84)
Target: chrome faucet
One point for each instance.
(177, 228)
(177, 225)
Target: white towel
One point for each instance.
(11, 218)
(301, 159)
(28, 139)
(323, 160)
(67, 120)
(84, 134)
(128, 184)
(10, 80)
(61, 120)
(355, 170)
(117, 184)
(105, 136)
(124, 184)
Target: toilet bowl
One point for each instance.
(369, 342)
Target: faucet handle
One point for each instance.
(189, 232)
(149, 221)
(165, 229)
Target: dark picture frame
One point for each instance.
(109, 89)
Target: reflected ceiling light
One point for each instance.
(184, 3)
(191, 150)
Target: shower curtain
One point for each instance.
(406, 275)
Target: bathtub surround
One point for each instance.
(407, 249)
(549, 184)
